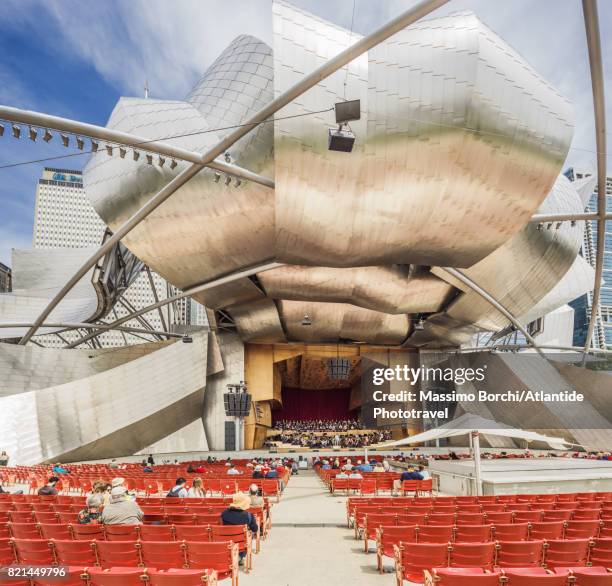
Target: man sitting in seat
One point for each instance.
(410, 474)
(49, 488)
(232, 470)
(179, 490)
(237, 514)
(121, 510)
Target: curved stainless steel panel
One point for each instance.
(333, 322)
(388, 289)
(258, 321)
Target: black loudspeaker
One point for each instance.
(237, 404)
(230, 436)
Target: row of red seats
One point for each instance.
(88, 576)
(413, 559)
(377, 482)
(221, 556)
(594, 576)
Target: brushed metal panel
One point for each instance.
(388, 289)
(258, 321)
(332, 322)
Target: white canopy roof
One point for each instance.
(469, 422)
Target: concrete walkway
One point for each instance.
(310, 543)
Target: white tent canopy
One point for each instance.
(469, 423)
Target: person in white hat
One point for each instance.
(121, 510)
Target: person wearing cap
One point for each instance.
(120, 482)
(256, 499)
(237, 514)
(121, 510)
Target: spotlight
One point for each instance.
(187, 339)
(340, 140)
(173, 164)
(559, 224)
(228, 157)
(122, 152)
(47, 136)
(65, 139)
(33, 133)
(549, 225)
(217, 177)
(80, 143)
(136, 155)
(1, 129)
(109, 150)
(238, 183)
(94, 146)
(306, 321)
(16, 131)
(149, 159)
(420, 325)
(228, 180)
(161, 161)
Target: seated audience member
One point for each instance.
(411, 474)
(146, 467)
(178, 490)
(347, 466)
(232, 470)
(113, 464)
(2, 491)
(386, 466)
(294, 468)
(121, 510)
(341, 474)
(355, 474)
(257, 472)
(271, 473)
(365, 467)
(90, 515)
(378, 467)
(196, 490)
(150, 460)
(59, 469)
(326, 465)
(424, 473)
(49, 488)
(237, 514)
(190, 469)
(255, 496)
(100, 495)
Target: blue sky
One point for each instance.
(75, 58)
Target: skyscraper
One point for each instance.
(602, 335)
(64, 218)
(5, 278)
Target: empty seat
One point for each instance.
(34, 551)
(473, 533)
(372, 523)
(581, 529)
(411, 559)
(24, 530)
(219, 556)
(557, 515)
(156, 532)
(116, 576)
(472, 555)
(601, 552)
(470, 518)
(7, 554)
(505, 518)
(239, 534)
(463, 577)
(163, 554)
(533, 577)
(546, 530)
(434, 533)
(55, 531)
(510, 532)
(117, 553)
(88, 532)
(192, 532)
(519, 554)
(181, 577)
(74, 553)
(586, 514)
(596, 576)
(388, 537)
(441, 519)
(566, 552)
(527, 516)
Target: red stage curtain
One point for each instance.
(306, 405)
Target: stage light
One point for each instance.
(136, 155)
(161, 161)
(149, 159)
(47, 136)
(80, 143)
(33, 133)
(342, 139)
(187, 339)
(228, 179)
(338, 368)
(559, 224)
(217, 177)
(109, 150)
(306, 321)
(94, 146)
(173, 164)
(122, 152)
(420, 325)
(65, 139)
(16, 131)
(1, 129)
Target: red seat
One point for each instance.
(181, 519)
(463, 577)
(181, 577)
(581, 529)
(193, 532)
(519, 554)
(163, 554)
(469, 509)
(533, 577)
(156, 532)
(543, 530)
(472, 555)
(116, 576)
(511, 532)
(55, 531)
(504, 518)
(372, 523)
(388, 537)
(88, 532)
(74, 553)
(410, 486)
(411, 519)
(493, 507)
(441, 519)
(34, 551)
(556, 515)
(527, 516)
(470, 518)
(473, 533)
(7, 554)
(24, 530)
(411, 559)
(586, 514)
(219, 556)
(434, 533)
(46, 517)
(239, 534)
(21, 516)
(121, 532)
(74, 576)
(566, 552)
(601, 552)
(117, 553)
(207, 518)
(596, 576)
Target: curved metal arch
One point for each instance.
(364, 44)
(591, 23)
(126, 139)
(89, 326)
